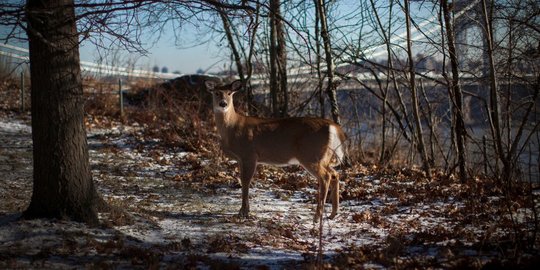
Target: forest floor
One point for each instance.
(178, 206)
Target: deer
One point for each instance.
(316, 144)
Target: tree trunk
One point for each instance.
(274, 84)
(232, 45)
(384, 157)
(494, 115)
(320, 78)
(249, 65)
(331, 86)
(414, 96)
(456, 96)
(278, 62)
(63, 186)
(281, 60)
(236, 56)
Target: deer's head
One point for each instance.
(222, 96)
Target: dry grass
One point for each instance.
(166, 122)
(10, 91)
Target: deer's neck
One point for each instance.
(227, 120)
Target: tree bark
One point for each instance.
(456, 95)
(278, 62)
(384, 156)
(236, 56)
(254, 25)
(331, 86)
(232, 45)
(63, 186)
(494, 109)
(320, 78)
(281, 60)
(414, 96)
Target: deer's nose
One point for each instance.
(223, 103)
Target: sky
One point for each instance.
(191, 51)
(186, 57)
(182, 58)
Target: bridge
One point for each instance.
(466, 16)
(101, 70)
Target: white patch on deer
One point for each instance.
(335, 144)
(293, 161)
(219, 109)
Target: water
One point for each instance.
(362, 119)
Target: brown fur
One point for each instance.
(298, 140)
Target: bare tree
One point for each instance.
(331, 84)
(63, 186)
(320, 78)
(494, 100)
(232, 44)
(278, 61)
(414, 96)
(456, 95)
(510, 136)
(384, 154)
(242, 60)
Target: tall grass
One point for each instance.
(12, 77)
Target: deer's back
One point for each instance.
(282, 141)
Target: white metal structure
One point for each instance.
(97, 69)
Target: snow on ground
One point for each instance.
(14, 126)
(178, 219)
(282, 228)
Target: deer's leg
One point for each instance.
(335, 191)
(247, 170)
(323, 177)
(324, 184)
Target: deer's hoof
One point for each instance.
(333, 215)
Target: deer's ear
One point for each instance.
(210, 85)
(236, 85)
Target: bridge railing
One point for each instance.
(21, 56)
